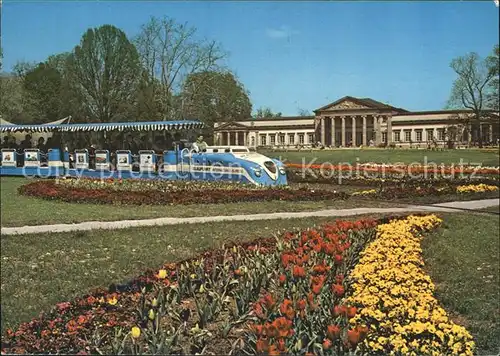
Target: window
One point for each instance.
(301, 139)
(418, 135)
(291, 139)
(407, 135)
(384, 136)
(310, 137)
(440, 133)
(263, 140)
(430, 134)
(282, 139)
(272, 138)
(397, 136)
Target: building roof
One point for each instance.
(370, 103)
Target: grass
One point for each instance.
(462, 259)
(18, 210)
(492, 209)
(447, 157)
(41, 270)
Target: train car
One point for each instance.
(224, 163)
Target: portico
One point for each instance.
(354, 122)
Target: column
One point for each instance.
(389, 130)
(236, 138)
(343, 130)
(333, 131)
(364, 130)
(353, 141)
(376, 128)
(296, 138)
(218, 138)
(323, 131)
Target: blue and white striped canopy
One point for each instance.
(112, 126)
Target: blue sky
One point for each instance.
(290, 55)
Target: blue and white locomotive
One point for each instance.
(224, 163)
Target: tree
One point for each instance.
(266, 113)
(213, 97)
(303, 112)
(43, 89)
(170, 53)
(104, 72)
(11, 102)
(470, 89)
(494, 67)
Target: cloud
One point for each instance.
(280, 33)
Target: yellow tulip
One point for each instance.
(151, 314)
(136, 332)
(162, 274)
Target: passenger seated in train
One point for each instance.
(131, 145)
(41, 145)
(200, 145)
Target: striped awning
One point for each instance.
(112, 126)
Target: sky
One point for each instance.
(289, 55)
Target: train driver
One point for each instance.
(200, 145)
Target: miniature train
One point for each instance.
(224, 163)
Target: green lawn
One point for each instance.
(18, 210)
(462, 259)
(41, 270)
(492, 209)
(447, 157)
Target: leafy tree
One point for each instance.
(11, 102)
(213, 97)
(104, 72)
(470, 89)
(494, 67)
(266, 113)
(170, 53)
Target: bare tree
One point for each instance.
(170, 52)
(471, 87)
(303, 112)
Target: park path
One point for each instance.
(124, 224)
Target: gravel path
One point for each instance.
(123, 224)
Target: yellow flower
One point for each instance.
(162, 274)
(136, 332)
(151, 314)
(154, 302)
(112, 301)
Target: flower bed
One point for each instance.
(275, 296)
(165, 193)
(364, 177)
(396, 297)
(400, 168)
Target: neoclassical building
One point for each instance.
(352, 122)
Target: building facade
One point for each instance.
(354, 122)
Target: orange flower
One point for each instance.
(262, 346)
(338, 290)
(287, 309)
(339, 278)
(268, 301)
(363, 331)
(283, 326)
(327, 344)
(339, 310)
(286, 259)
(301, 304)
(273, 351)
(257, 308)
(332, 332)
(353, 337)
(338, 259)
(237, 272)
(282, 279)
(310, 299)
(321, 269)
(281, 345)
(317, 284)
(271, 330)
(299, 272)
(351, 312)
(257, 329)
